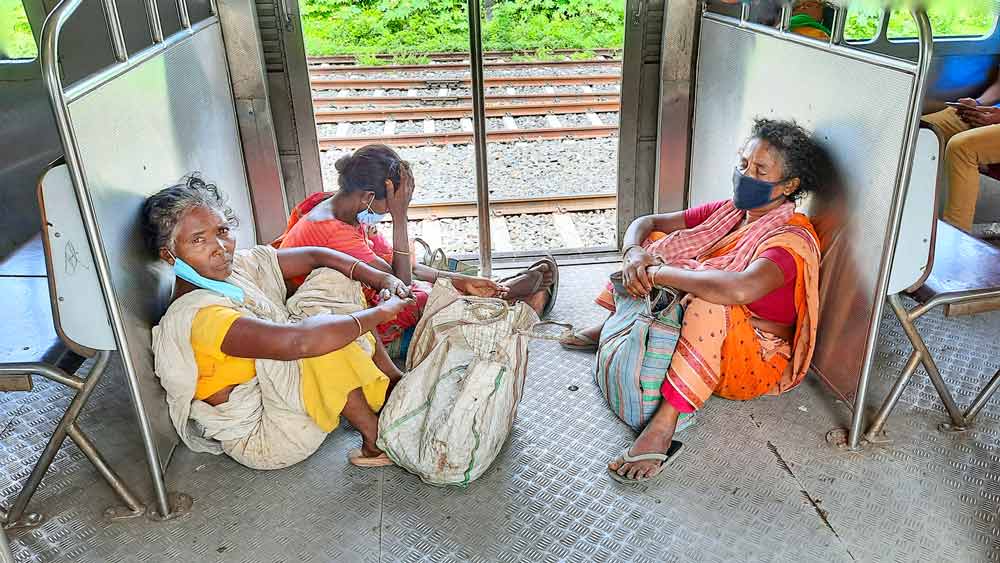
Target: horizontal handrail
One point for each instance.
(82, 87)
(865, 56)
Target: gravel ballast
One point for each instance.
(520, 169)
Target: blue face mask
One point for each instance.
(369, 217)
(751, 193)
(184, 271)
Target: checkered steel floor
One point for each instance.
(756, 482)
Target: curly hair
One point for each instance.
(800, 155)
(162, 211)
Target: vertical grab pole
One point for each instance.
(785, 21)
(839, 24)
(182, 12)
(115, 30)
(926, 39)
(153, 14)
(479, 135)
(53, 84)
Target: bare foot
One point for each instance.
(548, 275)
(524, 284)
(368, 449)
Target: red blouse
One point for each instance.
(778, 305)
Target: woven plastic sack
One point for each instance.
(450, 415)
(636, 346)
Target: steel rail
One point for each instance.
(494, 82)
(466, 137)
(459, 56)
(571, 97)
(375, 69)
(461, 111)
(513, 206)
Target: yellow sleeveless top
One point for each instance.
(326, 379)
(216, 370)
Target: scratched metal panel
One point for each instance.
(742, 75)
(82, 314)
(172, 116)
(756, 481)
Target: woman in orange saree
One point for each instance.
(750, 268)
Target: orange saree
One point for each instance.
(721, 353)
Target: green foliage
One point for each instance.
(420, 26)
(16, 40)
(972, 19)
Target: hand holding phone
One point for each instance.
(961, 106)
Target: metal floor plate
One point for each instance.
(757, 481)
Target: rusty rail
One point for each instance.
(433, 83)
(465, 137)
(462, 111)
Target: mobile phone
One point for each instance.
(959, 105)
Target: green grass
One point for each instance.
(16, 41)
(406, 27)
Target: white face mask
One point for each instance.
(369, 217)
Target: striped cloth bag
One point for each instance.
(635, 349)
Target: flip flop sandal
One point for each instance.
(664, 459)
(589, 344)
(552, 289)
(358, 459)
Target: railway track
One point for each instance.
(321, 70)
(569, 221)
(464, 82)
(351, 60)
(513, 206)
(364, 111)
(463, 111)
(348, 100)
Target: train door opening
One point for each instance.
(549, 176)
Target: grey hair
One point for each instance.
(163, 210)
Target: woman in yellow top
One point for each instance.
(247, 372)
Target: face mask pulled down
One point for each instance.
(184, 271)
(369, 217)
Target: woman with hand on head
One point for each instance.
(374, 182)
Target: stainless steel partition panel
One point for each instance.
(245, 57)
(743, 74)
(173, 114)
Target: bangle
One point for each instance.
(656, 272)
(629, 249)
(978, 102)
(353, 266)
(361, 330)
(394, 251)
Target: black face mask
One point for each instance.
(751, 193)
